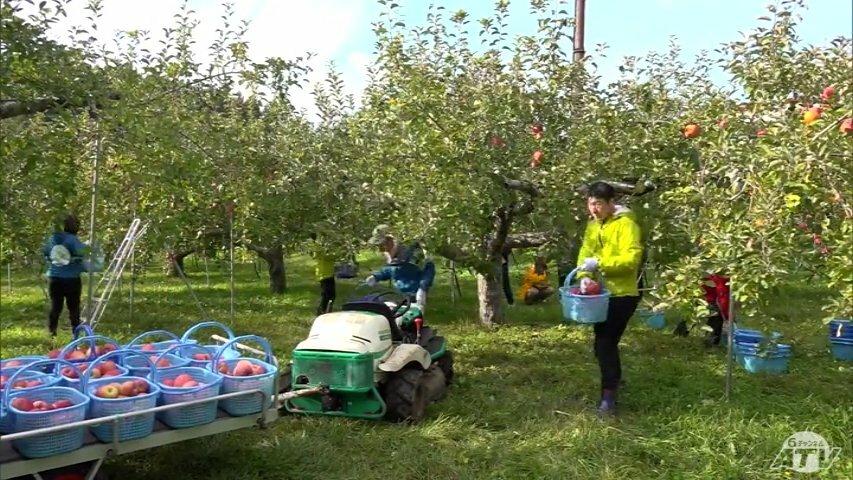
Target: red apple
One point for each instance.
(13, 363)
(827, 93)
(168, 382)
(242, 369)
(593, 289)
(191, 384)
(62, 404)
(846, 126)
(41, 405)
(69, 372)
(148, 347)
(23, 404)
(181, 379)
(128, 388)
(691, 130)
(111, 373)
(201, 356)
(258, 369)
(141, 386)
(223, 368)
(536, 160)
(107, 365)
(76, 355)
(53, 354)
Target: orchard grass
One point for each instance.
(522, 405)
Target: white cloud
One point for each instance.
(278, 28)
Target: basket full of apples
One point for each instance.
(13, 364)
(157, 347)
(44, 407)
(584, 303)
(243, 374)
(122, 394)
(187, 384)
(28, 380)
(202, 358)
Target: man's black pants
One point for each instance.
(67, 291)
(607, 336)
(327, 295)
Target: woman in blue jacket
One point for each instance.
(65, 257)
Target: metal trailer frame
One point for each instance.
(95, 452)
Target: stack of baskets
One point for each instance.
(756, 354)
(841, 339)
(37, 392)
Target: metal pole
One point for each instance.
(580, 10)
(231, 246)
(452, 283)
(206, 273)
(730, 342)
(92, 224)
(132, 267)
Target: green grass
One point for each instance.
(522, 406)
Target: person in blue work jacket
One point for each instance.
(65, 255)
(406, 265)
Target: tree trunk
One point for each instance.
(490, 296)
(173, 257)
(275, 266)
(274, 256)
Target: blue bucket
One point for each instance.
(840, 329)
(583, 308)
(774, 360)
(842, 349)
(653, 320)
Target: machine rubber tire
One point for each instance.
(285, 384)
(445, 363)
(405, 397)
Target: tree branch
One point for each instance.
(636, 189)
(521, 186)
(17, 108)
(525, 240)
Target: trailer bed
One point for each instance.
(13, 465)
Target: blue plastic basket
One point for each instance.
(209, 349)
(20, 362)
(46, 379)
(191, 415)
(773, 361)
(156, 347)
(265, 382)
(130, 428)
(92, 340)
(653, 320)
(68, 381)
(54, 443)
(140, 368)
(842, 349)
(583, 308)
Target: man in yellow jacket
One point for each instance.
(612, 245)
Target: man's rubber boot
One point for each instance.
(607, 406)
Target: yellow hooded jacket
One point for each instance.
(617, 244)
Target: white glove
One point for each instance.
(371, 281)
(590, 264)
(420, 298)
(585, 281)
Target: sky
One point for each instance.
(340, 31)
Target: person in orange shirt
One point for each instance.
(535, 287)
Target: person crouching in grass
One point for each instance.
(535, 287)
